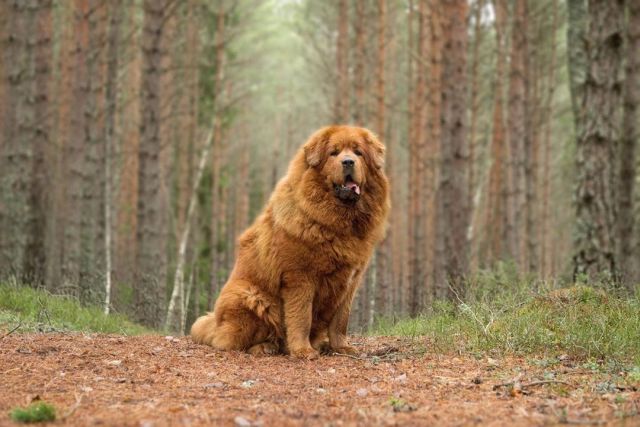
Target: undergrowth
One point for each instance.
(35, 413)
(38, 310)
(499, 314)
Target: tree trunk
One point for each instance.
(453, 209)
(177, 302)
(434, 248)
(630, 135)
(33, 271)
(341, 103)
(478, 36)
(598, 98)
(111, 91)
(359, 71)
(151, 260)
(382, 294)
(417, 155)
(516, 135)
(545, 262)
(26, 45)
(216, 210)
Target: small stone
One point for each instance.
(247, 384)
(242, 422)
(401, 378)
(362, 392)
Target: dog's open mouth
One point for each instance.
(349, 191)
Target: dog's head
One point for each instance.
(347, 159)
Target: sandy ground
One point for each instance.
(160, 381)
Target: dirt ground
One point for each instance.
(160, 381)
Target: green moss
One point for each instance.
(35, 413)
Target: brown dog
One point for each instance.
(300, 263)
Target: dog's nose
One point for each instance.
(348, 162)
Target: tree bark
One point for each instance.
(151, 259)
(341, 103)
(598, 98)
(34, 269)
(453, 209)
(111, 91)
(359, 71)
(629, 141)
(417, 155)
(382, 294)
(545, 262)
(516, 135)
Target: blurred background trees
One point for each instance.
(138, 138)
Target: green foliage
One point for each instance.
(37, 412)
(39, 310)
(581, 321)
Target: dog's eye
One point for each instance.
(335, 153)
(358, 153)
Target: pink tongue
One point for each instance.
(353, 187)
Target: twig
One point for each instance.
(582, 422)
(73, 407)
(349, 356)
(535, 383)
(11, 331)
(531, 384)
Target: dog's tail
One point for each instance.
(203, 329)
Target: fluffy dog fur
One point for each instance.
(300, 263)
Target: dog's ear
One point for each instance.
(376, 148)
(315, 146)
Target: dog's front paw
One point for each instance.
(264, 349)
(323, 348)
(305, 353)
(346, 349)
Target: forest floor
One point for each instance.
(96, 379)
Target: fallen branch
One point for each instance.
(11, 331)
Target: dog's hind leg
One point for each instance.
(238, 329)
(242, 320)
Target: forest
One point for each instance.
(139, 138)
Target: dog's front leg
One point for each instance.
(340, 321)
(297, 297)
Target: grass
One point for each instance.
(581, 321)
(38, 310)
(35, 413)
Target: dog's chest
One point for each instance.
(332, 288)
(335, 256)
